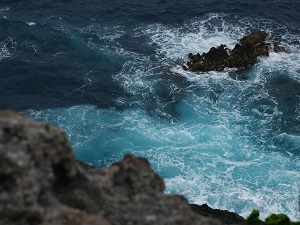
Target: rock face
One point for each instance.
(244, 53)
(41, 183)
(226, 217)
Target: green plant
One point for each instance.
(253, 218)
(278, 219)
(274, 219)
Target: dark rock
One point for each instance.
(278, 47)
(215, 59)
(254, 38)
(226, 217)
(41, 183)
(244, 53)
(84, 165)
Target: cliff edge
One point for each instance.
(42, 183)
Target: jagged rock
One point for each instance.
(278, 47)
(244, 53)
(226, 217)
(43, 184)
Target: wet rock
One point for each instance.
(278, 47)
(244, 53)
(42, 183)
(227, 218)
(215, 59)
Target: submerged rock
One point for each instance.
(42, 183)
(244, 53)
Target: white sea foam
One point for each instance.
(4, 9)
(176, 43)
(3, 12)
(31, 24)
(4, 52)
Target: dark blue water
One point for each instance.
(109, 73)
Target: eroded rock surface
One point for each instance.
(244, 53)
(41, 183)
(226, 217)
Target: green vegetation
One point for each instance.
(274, 219)
(253, 218)
(278, 219)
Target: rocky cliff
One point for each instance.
(42, 183)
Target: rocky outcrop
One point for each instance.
(41, 183)
(226, 217)
(244, 53)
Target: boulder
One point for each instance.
(244, 53)
(42, 183)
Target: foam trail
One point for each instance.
(4, 52)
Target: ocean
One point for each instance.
(109, 73)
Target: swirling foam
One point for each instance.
(4, 51)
